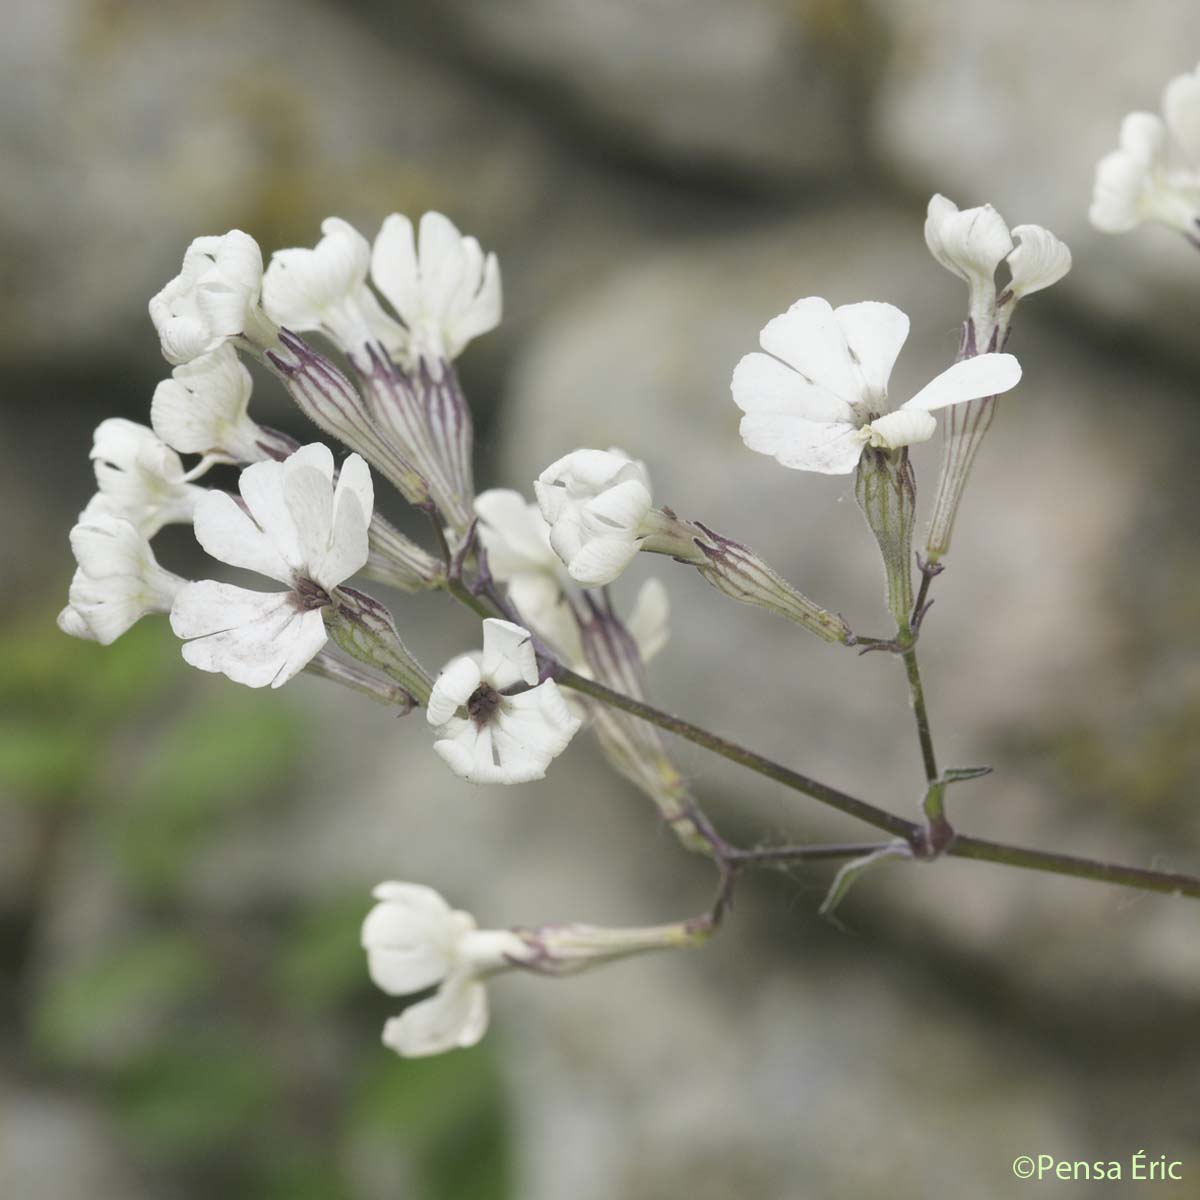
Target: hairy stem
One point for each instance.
(917, 694)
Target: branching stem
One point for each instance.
(730, 859)
(1167, 883)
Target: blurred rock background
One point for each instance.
(184, 864)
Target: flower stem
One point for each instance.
(1166, 882)
(917, 693)
(818, 852)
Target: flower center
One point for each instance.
(307, 595)
(482, 703)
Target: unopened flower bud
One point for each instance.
(736, 571)
(886, 491)
(567, 949)
(398, 561)
(364, 629)
(425, 417)
(213, 299)
(595, 502)
(360, 678)
(330, 401)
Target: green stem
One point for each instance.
(1168, 883)
(820, 852)
(917, 692)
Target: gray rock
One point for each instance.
(129, 133)
(53, 1146)
(767, 89)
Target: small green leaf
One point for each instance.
(852, 872)
(961, 774)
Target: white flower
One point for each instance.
(1154, 174)
(140, 478)
(326, 288)
(442, 286)
(503, 738)
(517, 541)
(414, 940)
(819, 394)
(213, 298)
(118, 581)
(973, 242)
(202, 408)
(595, 502)
(291, 525)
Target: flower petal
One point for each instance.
(874, 333)
(229, 534)
(970, 242)
(648, 625)
(762, 384)
(202, 407)
(353, 504)
(809, 338)
(904, 427)
(467, 751)
(452, 689)
(394, 267)
(1039, 260)
(456, 1016)
(254, 638)
(601, 560)
(482, 313)
(1181, 107)
(410, 937)
(443, 262)
(508, 654)
(621, 507)
(538, 722)
(1121, 181)
(544, 608)
(830, 448)
(984, 375)
(514, 534)
(302, 284)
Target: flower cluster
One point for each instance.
(558, 646)
(1154, 174)
(300, 517)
